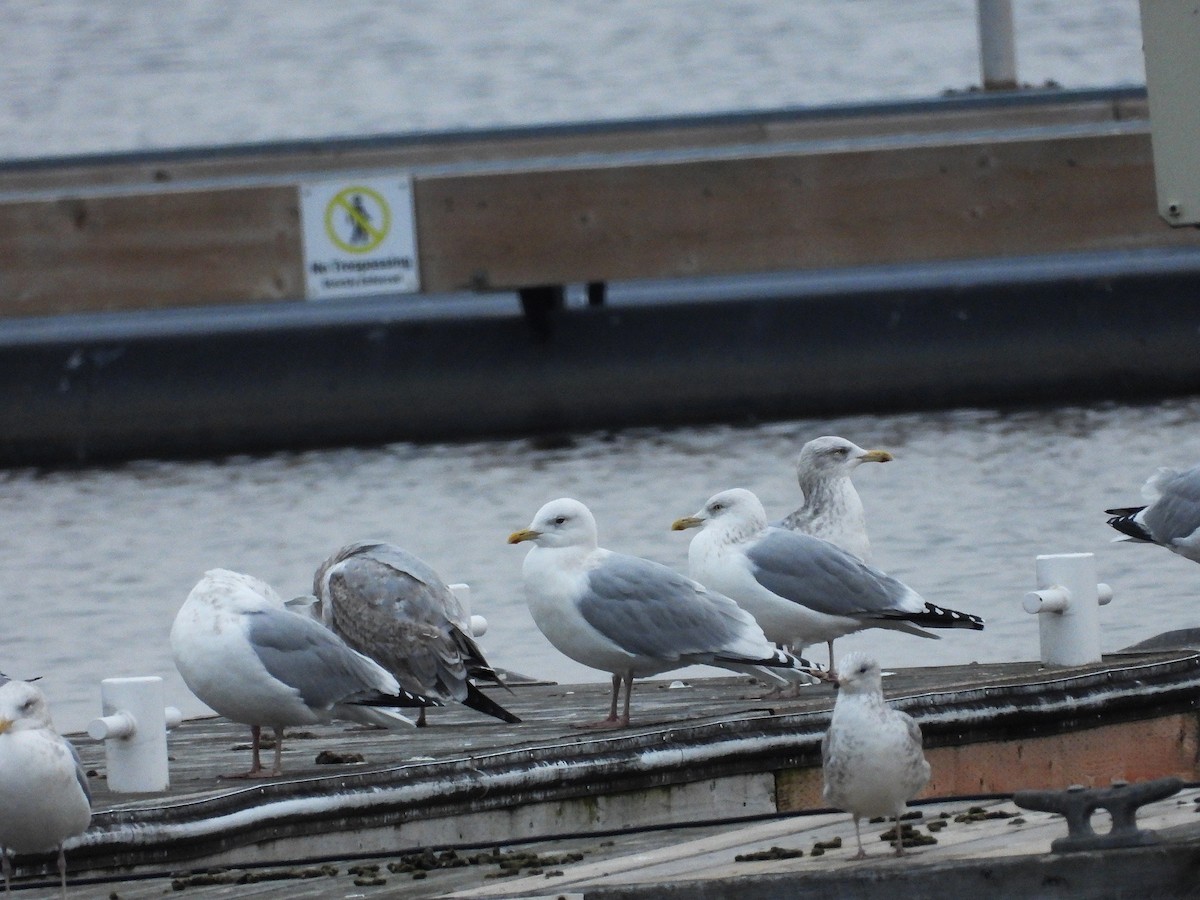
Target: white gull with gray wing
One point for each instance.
(254, 661)
(801, 589)
(630, 616)
(1171, 516)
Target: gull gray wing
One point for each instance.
(395, 608)
(429, 600)
(387, 610)
(1175, 514)
(307, 656)
(80, 773)
(393, 575)
(914, 730)
(651, 610)
(825, 578)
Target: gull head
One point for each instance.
(736, 513)
(560, 523)
(858, 673)
(22, 706)
(829, 456)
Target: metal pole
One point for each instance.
(997, 49)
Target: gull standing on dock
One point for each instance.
(44, 796)
(801, 589)
(832, 509)
(871, 755)
(1171, 517)
(630, 616)
(392, 606)
(254, 661)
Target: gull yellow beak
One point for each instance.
(877, 456)
(5, 724)
(685, 523)
(525, 534)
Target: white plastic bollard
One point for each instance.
(1067, 603)
(134, 730)
(479, 624)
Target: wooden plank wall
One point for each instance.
(569, 219)
(149, 250)
(791, 211)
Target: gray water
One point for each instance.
(79, 76)
(94, 563)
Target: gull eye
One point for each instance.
(560, 520)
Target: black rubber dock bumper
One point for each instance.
(82, 389)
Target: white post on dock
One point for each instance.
(997, 47)
(134, 730)
(1067, 604)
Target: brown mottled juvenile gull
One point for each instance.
(630, 616)
(243, 653)
(832, 508)
(801, 589)
(871, 754)
(1171, 517)
(44, 796)
(392, 606)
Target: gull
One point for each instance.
(254, 661)
(871, 755)
(801, 589)
(1171, 517)
(630, 616)
(832, 508)
(44, 796)
(387, 603)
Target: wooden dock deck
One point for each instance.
(987, 845)
(704, 759)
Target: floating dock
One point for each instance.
(706, 760)
(991, 249)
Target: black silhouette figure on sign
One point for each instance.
(359, 218)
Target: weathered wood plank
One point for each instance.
(734, 860)
(790, 211)
(149, 250)
(568, 222)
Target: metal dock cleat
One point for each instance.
(1077, 804)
